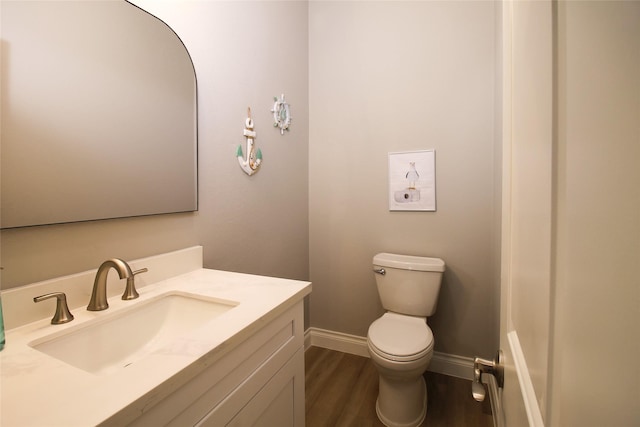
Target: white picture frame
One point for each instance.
(412, 181)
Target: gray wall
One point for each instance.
(392, 77)
(404, 76)
(245, 53)
(374, 77)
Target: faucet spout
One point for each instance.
(98, 299)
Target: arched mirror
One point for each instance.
(99, 114)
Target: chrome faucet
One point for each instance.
(98, 300)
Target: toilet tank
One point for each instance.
(410, 284)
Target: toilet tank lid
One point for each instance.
(409, 262)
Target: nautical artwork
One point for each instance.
(252, 162)
(412, 181)
(281, 114)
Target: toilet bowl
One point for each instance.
(401, 348)
(400, 342)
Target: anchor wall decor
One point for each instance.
(254, 157)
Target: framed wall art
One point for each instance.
(412, 181)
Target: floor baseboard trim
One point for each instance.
(338, 341)
(441, 363)
(452, 365)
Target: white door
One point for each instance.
(527, 132)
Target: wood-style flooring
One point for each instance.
(341, 390)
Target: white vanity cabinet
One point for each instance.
(243, 365)
(258, 380)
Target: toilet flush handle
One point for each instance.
(380, 271)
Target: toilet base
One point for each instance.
(402, 403)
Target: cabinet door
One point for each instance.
(230, 379)
(279, 403)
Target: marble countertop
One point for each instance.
(38, 390)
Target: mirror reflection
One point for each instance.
(98, 114)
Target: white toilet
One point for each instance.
(400, 342)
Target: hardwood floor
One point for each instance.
(341, 390)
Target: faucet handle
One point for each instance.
(130, 290)
(62, 314)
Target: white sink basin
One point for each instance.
(120, 339)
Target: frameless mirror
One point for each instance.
(99, 114)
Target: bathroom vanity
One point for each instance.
(198, 347)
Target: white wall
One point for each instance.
(403, 76)
(596, 341)
(245, 53)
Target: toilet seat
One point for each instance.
(400, 338)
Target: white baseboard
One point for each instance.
(338, 341)
(441, 363)
(452, 365)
